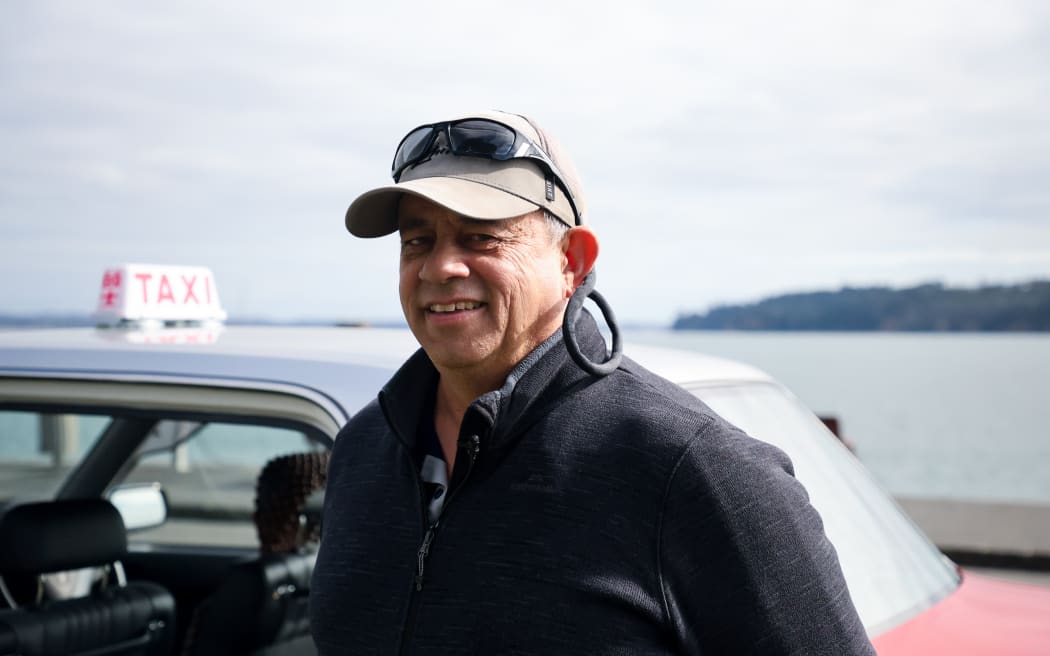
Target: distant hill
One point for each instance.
(931, 307)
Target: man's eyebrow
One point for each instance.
(413, 222)
(410, 223)
(477, 223)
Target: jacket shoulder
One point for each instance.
(664, 409)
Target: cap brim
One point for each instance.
(374, 213)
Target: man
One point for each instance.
(515, 490)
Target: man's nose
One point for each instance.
(444, 262)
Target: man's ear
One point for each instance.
(581, 251)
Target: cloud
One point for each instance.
(728, 150)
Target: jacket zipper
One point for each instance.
(473, 446)
(424, 551)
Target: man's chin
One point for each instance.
(459, 352)
(455, 359)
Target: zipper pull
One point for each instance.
(472, 445)
(421, 555)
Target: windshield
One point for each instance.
(892, 570)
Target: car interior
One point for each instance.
(180, 534)
(263, 602)
(113, 616)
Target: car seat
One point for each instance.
(262, 605)
(112, 617)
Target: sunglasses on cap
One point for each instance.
(477, 137)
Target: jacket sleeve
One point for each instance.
(744, 565)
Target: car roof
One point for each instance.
(347, 364)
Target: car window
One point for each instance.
(208, 472)
(38, 450)
(892, 570)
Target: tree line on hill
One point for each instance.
(929, 307)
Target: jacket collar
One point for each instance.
(542, 379)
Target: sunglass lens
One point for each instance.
(412, 147)
(483, 138)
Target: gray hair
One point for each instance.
(555, 226)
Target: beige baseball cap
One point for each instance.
(475, 187)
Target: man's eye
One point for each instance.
(481, 238)
(413, 243)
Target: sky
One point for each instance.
(728, 151)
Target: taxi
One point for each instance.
(210, 443)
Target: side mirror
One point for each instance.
(142, 505)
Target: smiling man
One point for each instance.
(480, 295)
(515, 488)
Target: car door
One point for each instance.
(203, 444)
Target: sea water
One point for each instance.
(936, 415)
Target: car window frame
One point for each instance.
(143, 403)
(205, 396)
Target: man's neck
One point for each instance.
(450, 404)
(457, 389)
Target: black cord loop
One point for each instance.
(572, 313)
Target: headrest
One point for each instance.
(55, 536)
(283, 490)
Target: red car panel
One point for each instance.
(982, 617)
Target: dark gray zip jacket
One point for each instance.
(611, 515)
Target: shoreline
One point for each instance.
(985, 534)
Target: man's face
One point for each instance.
(479, 295)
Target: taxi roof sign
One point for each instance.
(134, 293)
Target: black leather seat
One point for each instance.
(262, 606)
(114, 618)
